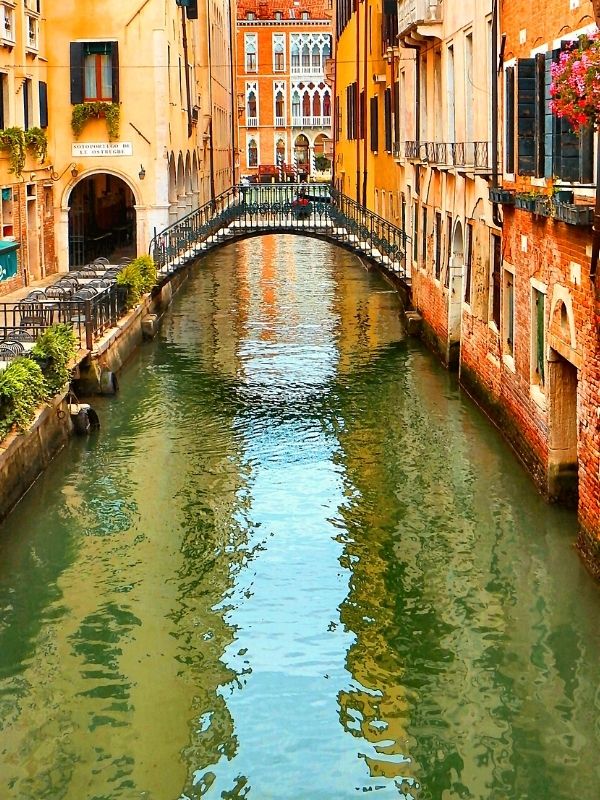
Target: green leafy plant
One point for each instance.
(138, 277)
(36, 142)
(22, 389)
(322, 163)
(13, 140)
(53, 351)
(83, 112)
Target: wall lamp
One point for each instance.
(72, 166)
(142, 172)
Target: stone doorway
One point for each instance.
(102, 219)
(562, 433)
(455, 296)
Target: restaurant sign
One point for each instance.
(83, 149)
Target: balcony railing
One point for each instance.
(470, 155)
(418, 12)
(308, 69)
(252, 122)
(280, 122)
(311, 122)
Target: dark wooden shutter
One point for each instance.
(192, 9)
(496, 275)
(526, 116)
(115, 71)
(77, 50)
(43, 94)
(387, 110)
(540, 336)
(362, 115)
(551, 128)
(540, 114)
(396, 113)
(374, 124)
(509, 105)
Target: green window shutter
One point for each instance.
(540, 114)
(551, 128)
(387, 106)
(526, 116)
(115, 71)
(540, 335)
(77, 53)
(43, 95)
(509, 121)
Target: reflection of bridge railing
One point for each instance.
(314, 209)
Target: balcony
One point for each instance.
(308, 70)
(252, 122)
(466, 156)
(419, 19)
(280, 122)
(311, 122)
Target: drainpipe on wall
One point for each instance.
(496, 218)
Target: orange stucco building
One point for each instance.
(284, 100)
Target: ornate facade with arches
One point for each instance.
(292, 123)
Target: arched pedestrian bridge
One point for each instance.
(312, 210)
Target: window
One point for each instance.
(538, 337)
(351, 109)
(250, 52)
(415, 232)
(252, 153)
(278, 52)
(305, 15)
(296, 108)
(374, 112)
(448, 249)
(32, 33)
(278, 15)
(326, 105)
(7, 23)
(468, 261)
(438, 245)
(250, 15)
(251, 104)
(495, 269)
(279, 108)
(27, 104)
(94, 72)
(387, 110)
(537, 142)
(508, 313)
(424, 239)
(43, 96)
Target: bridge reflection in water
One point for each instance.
(313, 210)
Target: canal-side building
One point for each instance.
(142, 110)
(284, 97)
(536, 362)
(27, 250)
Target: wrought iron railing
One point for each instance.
(88, 318)
(312, 209)
(411, 149)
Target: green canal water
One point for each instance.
(295, 562)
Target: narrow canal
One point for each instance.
(295, 563)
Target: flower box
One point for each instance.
(543, 206)
(504, 196)
(574, 214)
(525, 202)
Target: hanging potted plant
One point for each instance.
(13, 140)
(575, 87)
(83, 112)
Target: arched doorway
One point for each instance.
(102, 219)
(301, 149)
(455, 296)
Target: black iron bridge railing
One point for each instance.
(314, 209)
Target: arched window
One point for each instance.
(316, 57)
(279, 105)
(278, 52)
(250, 51)
(326, 105)
(252, 153)
(316, 105)
(306, 105)
(251, 105)
(296, 104)
(305, 56)
(280, 152)
(295, 51)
